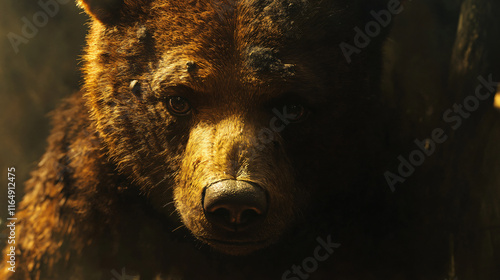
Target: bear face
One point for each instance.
(212, 115)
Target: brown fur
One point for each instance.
(119, 164)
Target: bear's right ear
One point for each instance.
(110, 11)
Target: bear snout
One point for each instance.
(235, 205)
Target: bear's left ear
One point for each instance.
(112, 11)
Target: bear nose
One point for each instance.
(234, 205)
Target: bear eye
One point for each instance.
(178, 106)
(295, 112)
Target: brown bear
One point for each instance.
(211, 140)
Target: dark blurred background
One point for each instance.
(32, 83)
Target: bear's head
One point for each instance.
(233, 114)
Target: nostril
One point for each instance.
(221, 213)
(234, 205)
(249, 215)
(234, 215)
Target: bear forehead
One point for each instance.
(251, 37)
(252, 30)
(174, 69)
